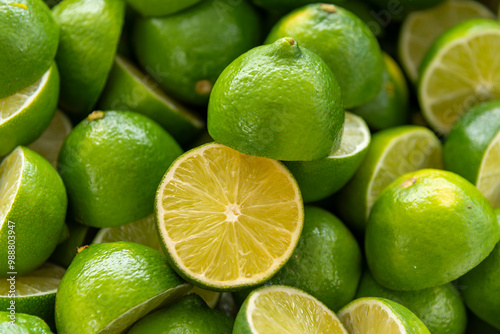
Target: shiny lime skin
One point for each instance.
(252, 110)
(344, 42)
(190, 313)
(187, 51)
(106, 280)
(428, 228)
(440, 308)
(28, 43)
(160, 7)
(111, 167)
(24, 324)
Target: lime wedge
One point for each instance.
(488, 181)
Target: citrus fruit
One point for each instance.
(35, 292)
(472, 149)
(51, 140)
(282, 309)
(27, 113)
(421, 28)
(459, 71)
(397, 10)
(190, 313)
(128, 88)
(228, 220)
(392, 153)
(89, 35)
(110, 286)
(476, 325)
(343, 41)
(320, 178)
(25, 23)
(380, 316)
(428, 228)
(23, 323)
(287, 5)
(390, 107)
(111, 164)
(160, 7)
(32, 211)
(251, 108)
(440, 308)
(65, 251)
(187, 51)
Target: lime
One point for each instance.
(390, 107)
(160, 7)
(228, 220)
(111, 164)
(187, 51)
(475, 325)
(89, 34)
(190, 313)
(32, 211)
(392, 153)
(440, 308)
(396, 11)
(252, 110)
(428, 228)
(282, 309)
(67, 250)
(459, 71)
(28, 44)
(380, 316)
(343, 41)
(35, 293)
(110, 286)
(421, 28)
(27, 113)
(23, 324)
(321, 178)
(287, 5)
(472, 149)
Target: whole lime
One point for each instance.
(23, 323)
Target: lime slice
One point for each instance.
(488, 181)
(460, 70)
(285, 310)
(421, 28)
(380, 316)
(228, 220)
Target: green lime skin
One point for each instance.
(24, 324)
(441, 308)
(190, 313)
(186, 52)
(89, 35)
(327, 262)
(251, 108)
(104, 281)
(111, 164)
(66, 251)
(287, 5)
(160, 7)
(344, 42)
(469, 138)
(28, 43)
(428, 228)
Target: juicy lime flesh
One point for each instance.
(488, 182)
(11, 105)
(371, 318)
(229, 217)
(43, 280)
(356, 137)
(10, 177)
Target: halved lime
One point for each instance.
(488, 182)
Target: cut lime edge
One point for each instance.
(11, 168)
(48, 274)
(480, 184)
(351, 131)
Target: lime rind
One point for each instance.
(355, 138)
(10, 181)
(488, 181)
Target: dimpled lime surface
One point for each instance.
(24, 324)
(344, 42)
(428, 228)
(28, 43)
(252, 110)
(440, 308)
(111, 166)
(105, 281)
(160, 7)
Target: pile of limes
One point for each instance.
(249, 167)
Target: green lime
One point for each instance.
(321, 178)
(187, 51)
(440, 308)
(472, 149)
(25, 115)
(392, 153)
(66, 251)
(390, 107)
(28, 44)
(252, 110)
(32, 211)
(111, 164)
(379, 315)
(282, 309)
(110, 286)
(287, 5)
(344, 42)
(89, 35)
(428, 228)
(161, 7)
(20, 323)
(190, 313)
